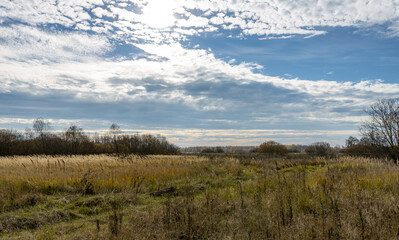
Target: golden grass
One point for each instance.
(191, 197)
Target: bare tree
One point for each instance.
(42, 129)
(352, 141)
(74, 137)
(115, 131)
(382, 129)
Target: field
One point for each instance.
(198, 197)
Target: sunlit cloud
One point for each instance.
(137, 55)
(158, 14)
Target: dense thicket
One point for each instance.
(74, 141)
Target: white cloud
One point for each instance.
(92, 80)
(393, 30)
(54, 123)
(50, 47)
(193, 21)
(252, 17)
(26, 43)
(100, 12)
(294, 17)
(44, 12)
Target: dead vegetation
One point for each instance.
(197, 197)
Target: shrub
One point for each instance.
(320, 149)
(273, 148)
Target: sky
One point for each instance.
(200, 72)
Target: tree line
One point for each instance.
(380, 139)
(379, 136)
(317, 149)
(41, 140)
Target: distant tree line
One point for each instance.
(380, 139)
(317, 149)
(218, 149)
(212, 150)
(41, 140)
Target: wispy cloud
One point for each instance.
(25, 43)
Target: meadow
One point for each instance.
(214, 196)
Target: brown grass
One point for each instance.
(191, 197)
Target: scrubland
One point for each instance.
(198, 197)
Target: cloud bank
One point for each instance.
(129, 61)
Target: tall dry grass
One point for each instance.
(191, 197)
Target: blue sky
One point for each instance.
(214, 72)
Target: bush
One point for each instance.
(273, 148)
(320, 149)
